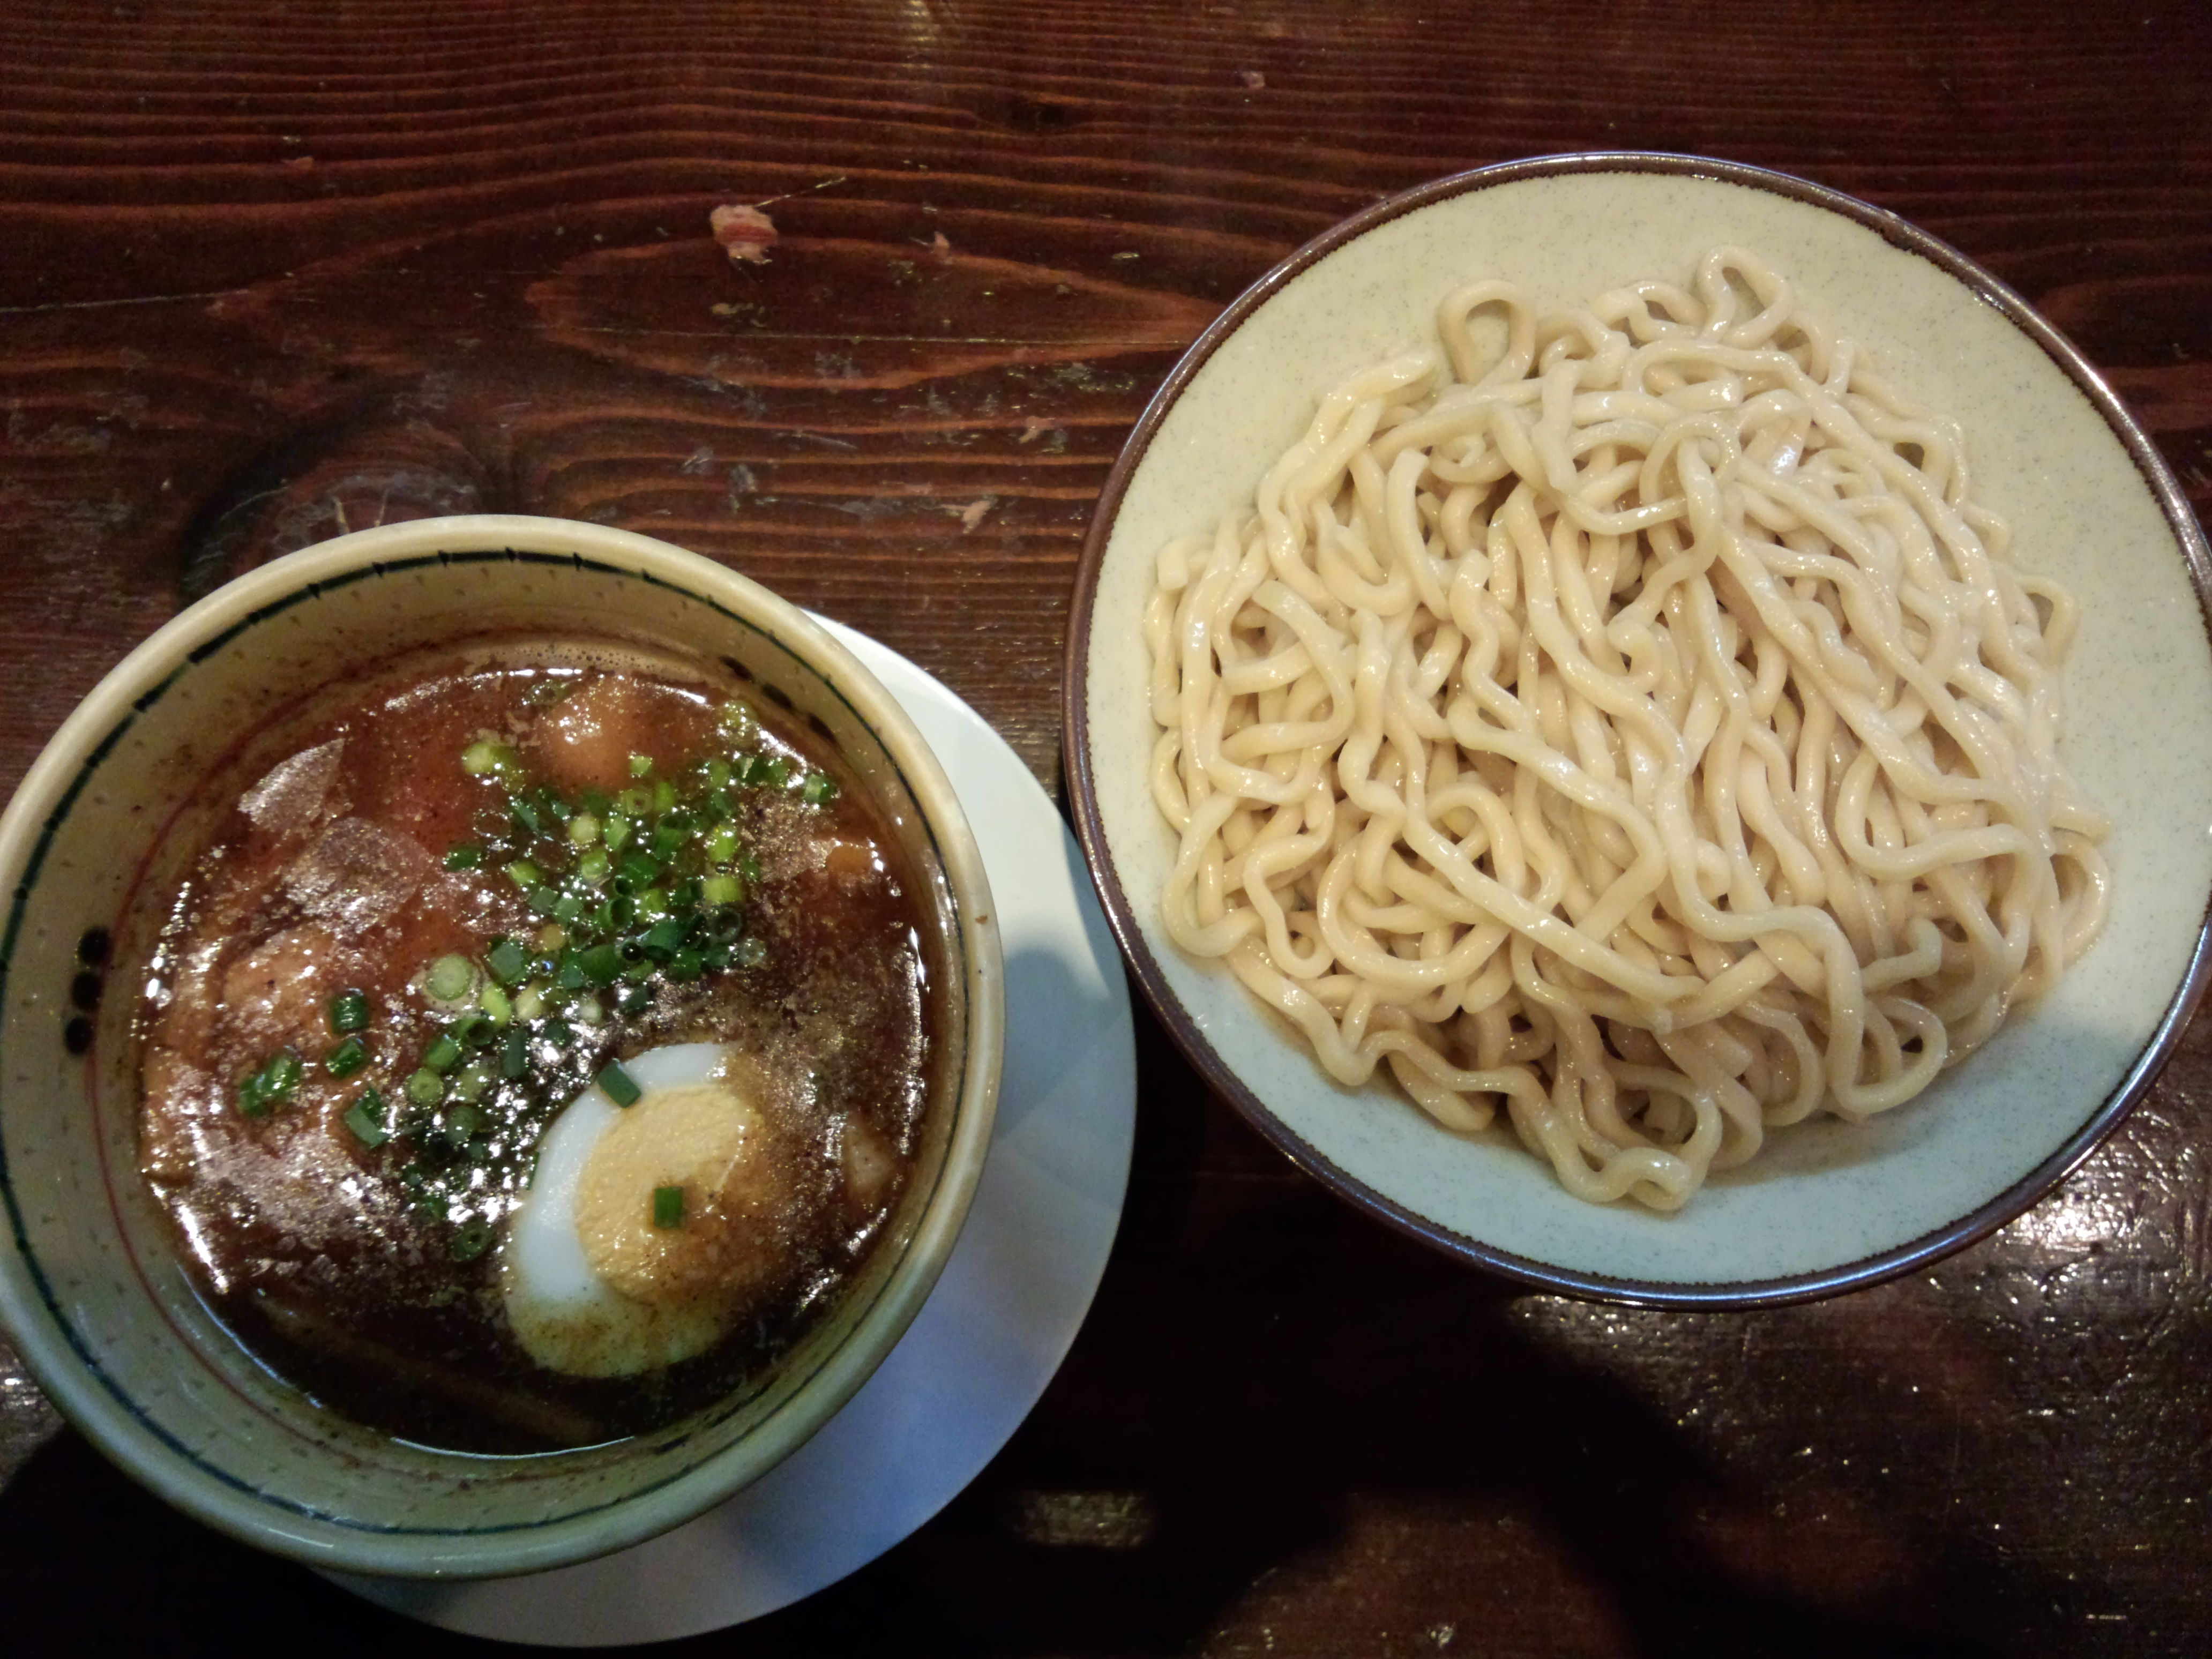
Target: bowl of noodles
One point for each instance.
(1608, 705)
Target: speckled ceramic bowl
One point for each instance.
(92, 1295)
(1827, 1206)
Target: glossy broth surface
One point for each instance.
(440, 907)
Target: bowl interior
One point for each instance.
(1826, 1204)
(102, 1311)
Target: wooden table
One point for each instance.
(269, 273)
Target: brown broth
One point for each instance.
(365, 1272)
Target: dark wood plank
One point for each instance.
(270, 272)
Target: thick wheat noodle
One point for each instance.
(1635, 722)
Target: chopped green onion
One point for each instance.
(618, 1085)
(451, 979)
(470, 1241)
(365, 1118)
(508, 961)
(647, 883)
(667, 1207)
(484, 756)
(347, 1058)
(282, 1074)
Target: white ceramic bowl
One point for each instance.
(91, 1293)
(1827, 1206)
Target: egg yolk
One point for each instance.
(598, 1280)
(711, 1143)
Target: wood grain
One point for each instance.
(270, 272)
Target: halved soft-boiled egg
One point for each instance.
(650, 1230)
